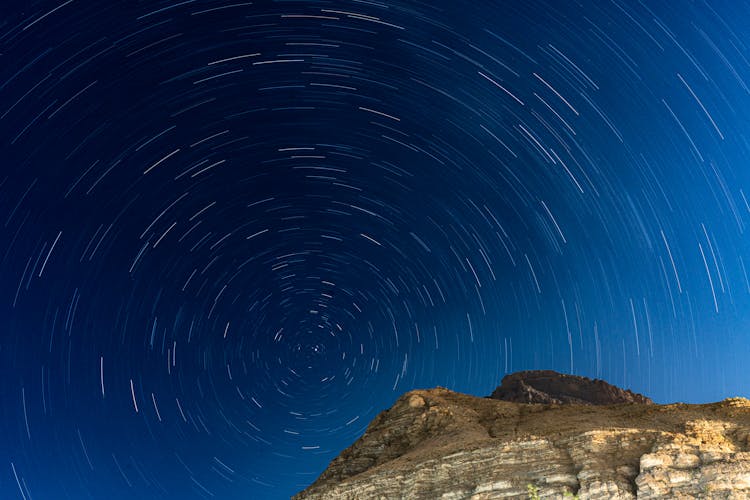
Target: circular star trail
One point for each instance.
(231, 233)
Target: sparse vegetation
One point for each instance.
(533, 491)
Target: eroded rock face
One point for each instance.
(549, 387)
(438, 444)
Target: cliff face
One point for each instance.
(438, 444)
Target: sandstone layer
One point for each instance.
(439, 444)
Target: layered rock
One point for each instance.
(549, 387)
(439, 444)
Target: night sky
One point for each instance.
(231, 233)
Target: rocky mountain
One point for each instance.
(548, 387)
(439, 444)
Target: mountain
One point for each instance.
(543, 434)
(546, 386)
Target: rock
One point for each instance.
(439, 444)
(548, 387)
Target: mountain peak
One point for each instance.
(583, 437)
(550, 387)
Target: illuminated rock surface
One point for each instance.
(439, 444)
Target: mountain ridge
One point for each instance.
(437, 443)
(550, 387)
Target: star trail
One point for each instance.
(231, 233)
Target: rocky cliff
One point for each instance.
(548, 387)
(439, 444)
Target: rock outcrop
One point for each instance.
(439, 444)
(548, 387)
